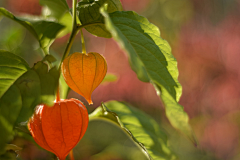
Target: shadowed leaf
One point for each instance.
(139, 126)
(44, 31)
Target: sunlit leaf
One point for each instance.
(65, 20)
(142, 42)
(11, 68)
(88, 12)
(139, 126)
(57, 8)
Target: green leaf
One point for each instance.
(26, 24)
(47, 32)
(49, 58)
(59, 10)
(22, 89)
(44, 31)
(109, 78)
(88, 12)
(10, 106)
(8, 156)
(11, 68)
(142, 41)
(49, 82)
(29, 87)
(57, 7)
(66, 20)
(139, 126)
(12, 37)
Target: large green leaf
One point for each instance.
(139, 126)
(10, 106)
(24, 88)
(59, 10)
(47, 31)
(44, 31)
(11, 68)
(142, 42)
(88, 12)
(57, 7)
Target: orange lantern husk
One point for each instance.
(59, 128)
(84, 72)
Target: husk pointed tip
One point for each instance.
(89, 101)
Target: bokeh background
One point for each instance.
(205, 39)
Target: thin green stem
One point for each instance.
(73, 34)
(83, 44)
(75, 30)
(72, 37)
(69, 45)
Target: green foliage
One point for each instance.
(11, 68)
(22, 88)
(105, 140)
(88, 12)
(142, 41)
(44, 31)
(49, 82)
(139, 126)
(57, 7)
(109, 78)
(12, 38)
(58, 10)
(49, 58)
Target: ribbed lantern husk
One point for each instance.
(59, 128)
(83, 73)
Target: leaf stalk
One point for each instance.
(83, 44)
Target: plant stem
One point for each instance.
(58, 94)
(71, 155)
(83, 44)
(69, 45)
(73, 34)
(72, 37)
